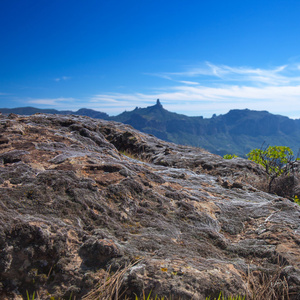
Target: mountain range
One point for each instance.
(236, 132)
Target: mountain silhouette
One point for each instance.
(236, 132)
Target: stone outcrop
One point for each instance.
(81, 199)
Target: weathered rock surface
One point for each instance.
(73, 206)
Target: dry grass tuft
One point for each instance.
(140, 157)
(110, 285)
(267, 286)
(261, 285)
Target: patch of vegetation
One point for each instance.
(280, 166)
(110, 286)
(276, 160)
(229, 156)
(132, 155)
(222, 297)
(28, 296)
(129, 154)
(260, 285)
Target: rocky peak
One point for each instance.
(157, 107)
(158, 104)
(84, 199)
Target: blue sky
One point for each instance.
(197, 57)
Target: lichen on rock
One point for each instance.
(82, 199)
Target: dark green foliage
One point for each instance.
(229, 156)
(276, 160)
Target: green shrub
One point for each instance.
(229, 156)
(276, 160)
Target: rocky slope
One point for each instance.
(76, 211)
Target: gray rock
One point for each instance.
(74, 207)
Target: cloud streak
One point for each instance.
(217, 89)
(285, 74)
(51, 101)
(63, 78)
(202, 91)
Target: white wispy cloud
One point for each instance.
(204, 90)
(189, 82)
(280, 75)
(62, 78)
(195, 94)
(217, 89)
(51, 101)
(161, 75)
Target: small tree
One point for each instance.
(276, 160)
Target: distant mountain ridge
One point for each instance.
(236, 132)
(28, 110)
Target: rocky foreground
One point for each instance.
(84, 201)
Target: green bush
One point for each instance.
(229, 156)
(276, 160)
